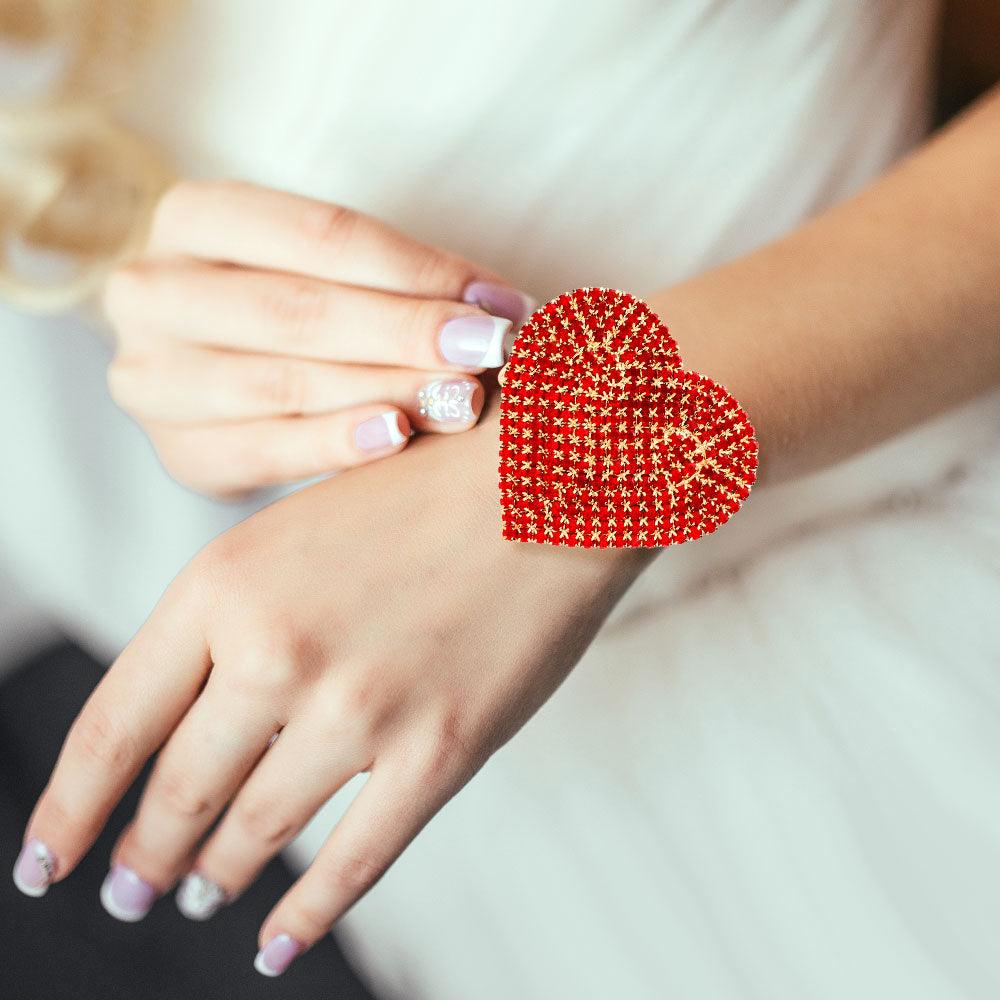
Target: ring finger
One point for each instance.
(188, 384)
(290, 315)
(210, 753)
(268, 812)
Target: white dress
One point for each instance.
(774, 775)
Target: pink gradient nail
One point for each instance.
(379, 432)
(277, 955)
(35, 868)
(126, 896)
(500, 300)
(474, 341)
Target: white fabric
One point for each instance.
(773, 775)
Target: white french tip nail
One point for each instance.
(35, 891)
(116, 911)
(125, 895)
(494, 356)
(277, 955)
(260, 964)
(396, 436)
(378, 433)
(199, 898)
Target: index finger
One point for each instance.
(125, 720)
(242, 223)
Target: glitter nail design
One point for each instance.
(198, 898)
(35, 868)
(448, 401)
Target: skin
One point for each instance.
(259, 328)
(876, 315)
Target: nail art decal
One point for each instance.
(448, 401)
(199, 898)
(35, 868)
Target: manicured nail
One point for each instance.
(377, 433)
(474, 341)
(126, 896)
(276, 955)
(34, 869)
(450, 401)
(501, 300)
(198, 898)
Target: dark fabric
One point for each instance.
(64, 946)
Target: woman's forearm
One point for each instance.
(881, 312)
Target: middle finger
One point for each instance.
(269, 810)
(273, 313)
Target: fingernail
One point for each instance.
(198, 898)
(501, 300)
(450, 401)
(126, 896)
(474, 341)
(379, 432)
(276, 955)
(34, 868)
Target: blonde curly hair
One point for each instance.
(76, 186)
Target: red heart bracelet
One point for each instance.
(605, 440)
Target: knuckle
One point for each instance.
(274, 659)
(222, 559)
(354, 702)
(414, 326)
(285, 387)
(182, 795)
(264, 825)
(356, 706)
(103, 739)
(310, 919)
(193, 592)
(353, 874)
(297, 307)
(448, 751)
(436, 270)
(259, 675)
(328, 226)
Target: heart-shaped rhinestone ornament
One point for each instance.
(605, 440)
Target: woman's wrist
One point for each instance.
(842, 333)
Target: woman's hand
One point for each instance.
(376, 621)
(265, 338)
